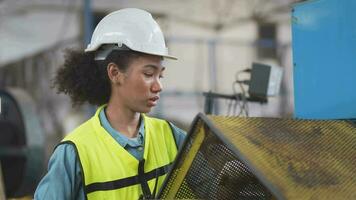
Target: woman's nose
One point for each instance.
(157, 86)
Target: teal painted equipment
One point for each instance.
(324, 54)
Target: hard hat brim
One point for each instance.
(149, 53)
(164, 56)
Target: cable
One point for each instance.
(229, 107)
(244, 99)
(248, 70)
(244, 106)
(237, 99)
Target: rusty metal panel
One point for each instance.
(265, 158)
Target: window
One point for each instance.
(266, 43)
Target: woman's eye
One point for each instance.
(148, 74)
(161, 76)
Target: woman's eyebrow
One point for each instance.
(155, 67)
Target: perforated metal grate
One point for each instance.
(265, 158)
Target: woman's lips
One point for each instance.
(153, 101)
(155, 98)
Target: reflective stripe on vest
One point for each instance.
(133, 180)
(110, 172)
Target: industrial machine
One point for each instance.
(310, 157)
(324, 47)
(264, 82)
(264, 158)
(21, 143)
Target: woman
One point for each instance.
(119, 153)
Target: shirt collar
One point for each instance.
(119, 137)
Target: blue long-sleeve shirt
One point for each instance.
(63, 180)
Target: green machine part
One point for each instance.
(21, 143)
(264, 158)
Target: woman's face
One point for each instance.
(141, 84)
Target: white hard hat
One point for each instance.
(130, 27)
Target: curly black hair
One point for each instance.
(86, 80)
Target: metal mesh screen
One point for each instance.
(265, 158)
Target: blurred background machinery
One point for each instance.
(277, 158)
(21, 144)
(264, 158)
(324, 47)
(264, 81)
(2, 187)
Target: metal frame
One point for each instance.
(201, 117)
(179, 155)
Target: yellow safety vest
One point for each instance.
(110, 172)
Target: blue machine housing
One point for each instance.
(324, 54)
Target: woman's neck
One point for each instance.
(122, 119)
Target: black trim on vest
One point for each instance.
(129, 181)
(172, 131)
(80, 163)
(141, 177)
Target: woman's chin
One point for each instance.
(147, 109)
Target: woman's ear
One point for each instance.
(115, 75)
